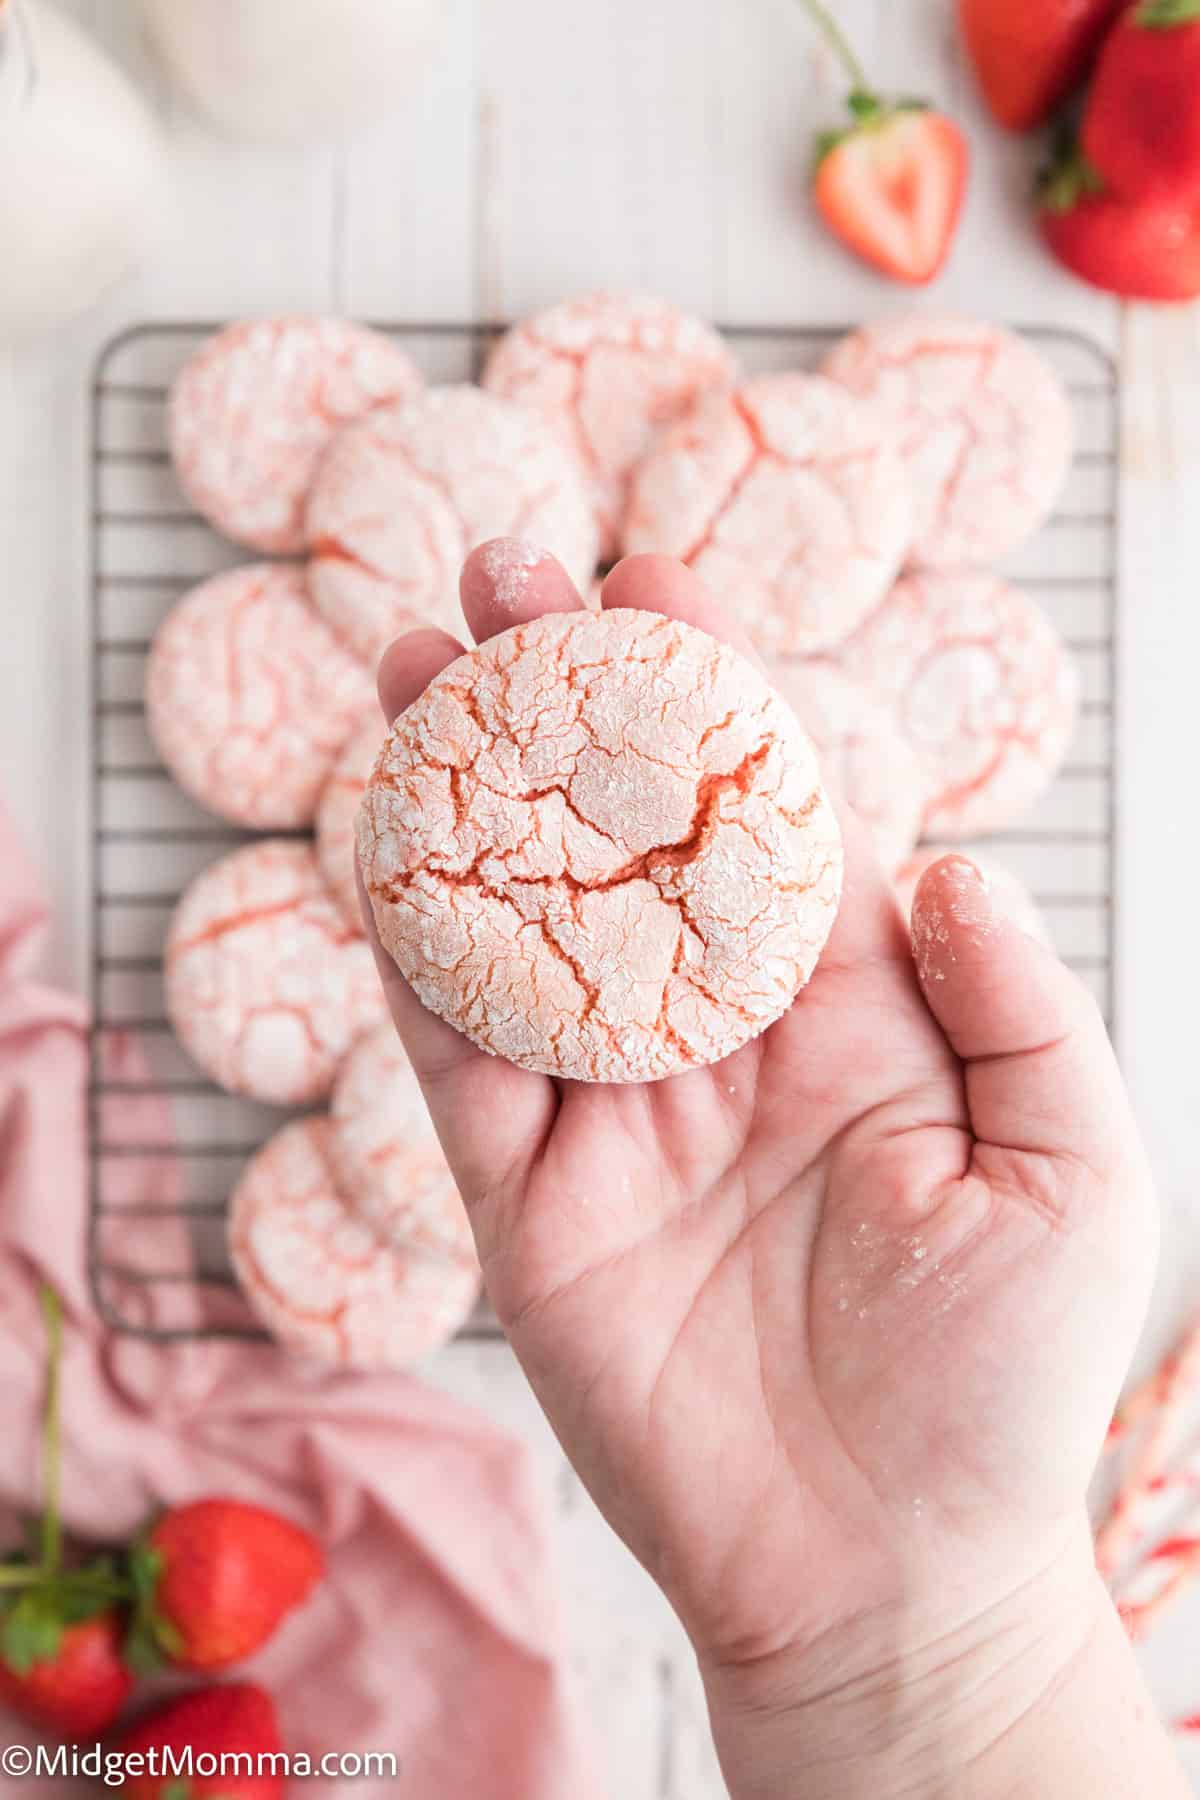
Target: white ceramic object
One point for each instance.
(80, 170)
(291, 70)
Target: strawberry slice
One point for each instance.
(891, 186)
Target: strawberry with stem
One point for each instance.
(214, 1580)
(1138, 249)
(1141, 124)
(60, 1629)
(891, 184)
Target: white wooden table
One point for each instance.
(551, 148)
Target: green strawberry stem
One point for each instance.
(73, 1581)
(1166, 15)
(836, 38)
(52, 1435)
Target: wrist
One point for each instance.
(929, 1699)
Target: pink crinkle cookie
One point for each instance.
(784, 496)
(266, 984)
(321, 1281)
(980, 683)
(863, 755)
(386, 1154)
(608, 371)
(406, 493)
(250, 696)
(1009, 894)
(984, 425)
(252, 412)
(336, 813)
(598, 846)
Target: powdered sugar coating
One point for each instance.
(336, 813)
(980, 683)
(386, 1154)
(321, 1280)
(509, 564)
(608, 371)
(250, 697)
(785, 498)
(254, 409)
(598, 846)
(863, 755)
(1007, 892)
(405, 494)
(984, 425)
(266, 985)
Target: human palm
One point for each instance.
(853, 1302)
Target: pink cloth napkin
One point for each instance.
(435, 1635)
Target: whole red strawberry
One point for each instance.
(60, 1631)
(233, 1721)
(69, 1678)
(215, 1579)
(1141, 128)
(1142, 252)
(1030, 54)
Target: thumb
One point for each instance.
(1041, 1078)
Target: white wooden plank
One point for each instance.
(408, 217)
(598, 151)
(1160, 872)
(43, 671)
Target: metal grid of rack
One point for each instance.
(158, 1267)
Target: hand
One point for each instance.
(832, 1330)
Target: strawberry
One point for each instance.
(60, 1633)
(890, 185)
(1141, 126)
(234, 1721)
(214, 1581)
(1030, 54)
(1141, 252)
(68, 1678)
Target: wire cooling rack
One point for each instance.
(158, 1266)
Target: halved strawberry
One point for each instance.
(891, 186)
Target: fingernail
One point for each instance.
(508, 563)
(952, 898)
(968, 895)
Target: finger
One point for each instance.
(1041, 1078)
(409, 664)
(661, 584)
(509, 581)
(490, 1116)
